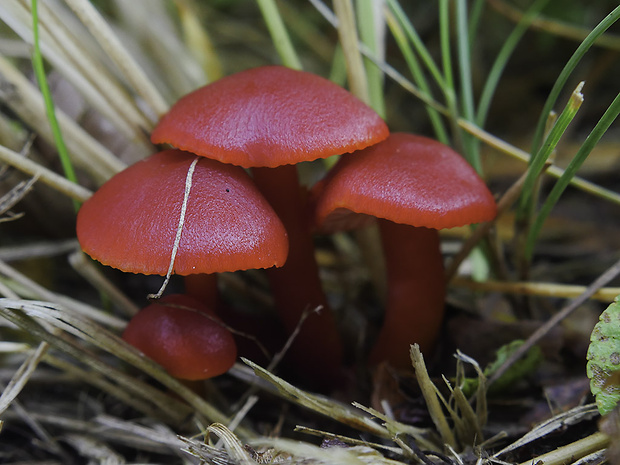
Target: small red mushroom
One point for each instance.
(270, 118)
(415, 186)
(184, 337)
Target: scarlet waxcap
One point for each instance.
(270, 116)
(131, 222)
(406, 179)
(183, 336)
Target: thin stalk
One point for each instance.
(417, 43)
(431, 394)
(537, 162)
(347, 35)
(610, 115)
(279, 34)
(402, 39)
(448, 72)
(74, 191)
(371, 23)
(475, 15)
(501, 60)
(465, 74)
(37, 63)
(540, 289)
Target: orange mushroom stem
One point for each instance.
(415, 295)
(296, 287)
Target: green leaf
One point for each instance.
(518, 371)
(603, 366)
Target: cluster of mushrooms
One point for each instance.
(194, 210)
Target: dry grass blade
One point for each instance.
(397, 428)
(23, 312)
(44, 174)
(26, 101)
(320, 404)
(21, 377)
(117, 52)
(295, 452)
(555, 290)
(11, 198)
(562, 420)
(431, 394)
(30, 288)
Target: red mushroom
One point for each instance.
(271, 118)
(131, 222)
(184, 337)
(416, 186)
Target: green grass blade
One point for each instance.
(537, 162)
(39, 70)
(574, 60)
(279, 35)
(475, 15)
(414, 38)
(610, 115)
(499, 64)
(370, 29)
(465, 79)
(402, 40)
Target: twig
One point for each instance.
(177, 239)
(601, 281)
(604, 294)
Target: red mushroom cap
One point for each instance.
(184, 337)
(406, 179)
(270, 116)
(131, 222)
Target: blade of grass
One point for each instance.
(537, 162)
(402, 38)
(45, 175)
(371, 23)
(347, 35)
(448, 73)
(27, 102)
(501, 60)
(466, 96)
(279, 34)
(37, 64)
(475, 15)
(571, 64)
(416, 42)
(610, 115)
(114, 48)
(431, 396)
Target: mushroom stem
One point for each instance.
(203, 287)
(416, 292)
(296, 286)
